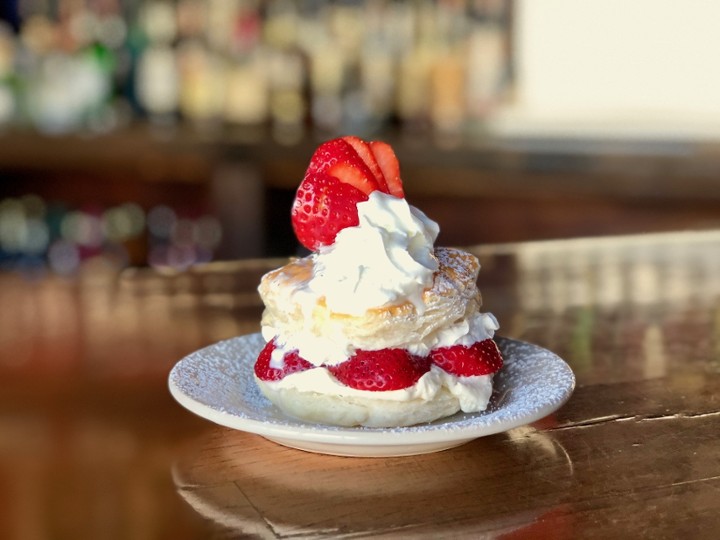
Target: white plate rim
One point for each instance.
(553, 393)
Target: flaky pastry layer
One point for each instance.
(290, 308)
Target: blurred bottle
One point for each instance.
(202, 84)
(357, 65)
(287, 75)
(377, 67)
(447, 89)
(201, 58)
(327, 71)
(8, 83)
(487, 59)
(65, 72)
(157, 77)
(247, 91)
(327, 74)
(448, 107)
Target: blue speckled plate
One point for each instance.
(217, 383)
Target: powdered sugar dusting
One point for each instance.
(460, 269)
(217, 383)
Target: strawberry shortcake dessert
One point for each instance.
(377, 327)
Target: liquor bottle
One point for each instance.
(8, 100)
(157, 77)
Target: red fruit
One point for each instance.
(342, 172)
(337, 151)
(292, 363)
(365, 153)
(390, 167)
(351, 174)
(481, 358)
(323, 206)
(386, 369)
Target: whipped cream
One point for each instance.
(387, 258)
(473, 392)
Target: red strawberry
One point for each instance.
(386, 369)
(350, 174)
(335, 151)
(365, 153)
(390, 167)
(342, 172)
(292, 363)
(322, 207)
(481, 358)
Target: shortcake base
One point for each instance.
(359, 411)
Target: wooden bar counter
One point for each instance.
(92, 445)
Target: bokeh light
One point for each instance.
(38, 235)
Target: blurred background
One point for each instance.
(167, 133)
(142, 138)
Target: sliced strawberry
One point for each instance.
(337, 151)
(365, 153)
(350, 174)
(386, 369)
(323, 206)
(342, 172)
(481, 358)
(292, 363)
(390, 167)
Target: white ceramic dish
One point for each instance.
(217, 383)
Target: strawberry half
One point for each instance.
(383, 370)
(481, 358)
(323, 206)
(292, 363)
(341, 173)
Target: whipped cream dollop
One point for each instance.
(387, 258)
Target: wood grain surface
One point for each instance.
(93, 446)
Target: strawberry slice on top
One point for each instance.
(338, 158)
(341, 173)
(390, 167)
(365, 153)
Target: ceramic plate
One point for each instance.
(217, 384)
